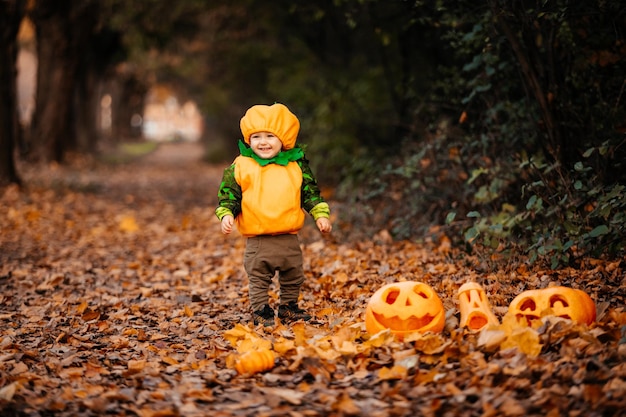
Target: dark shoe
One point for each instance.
(264, 316)
(291, 312)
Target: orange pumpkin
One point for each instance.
(255, 361)
(405, 307)
(474, 307)
(569, 303)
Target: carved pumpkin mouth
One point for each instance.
(477, 320)
(404, 325)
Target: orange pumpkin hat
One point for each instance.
(276, 119)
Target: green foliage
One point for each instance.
(560, 221)
(570, 200)
(536, 166)
(546, 205)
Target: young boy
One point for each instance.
(263, 192)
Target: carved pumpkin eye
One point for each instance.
(392, 296)
(560, 303)
(405, 307)
(528, 305)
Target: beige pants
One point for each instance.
(264, 256)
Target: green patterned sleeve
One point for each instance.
(311, 196)
(228, 195)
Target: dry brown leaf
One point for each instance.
(346, 406)
(8, 391)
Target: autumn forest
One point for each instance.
(471, 155)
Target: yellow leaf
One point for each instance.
(299, 332)
(341, 278)
(395, 372)
(510, 322)
(348, 348)
(284, 345)
(328, 311)
(326, 353)
(245, 339)
(525, 339)
(128, 224)
(188, 312)
(345, 335)
(82, 307)
(236, 333)
(231, 360)
(82, 394)
(425, 377)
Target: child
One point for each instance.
(263, 192)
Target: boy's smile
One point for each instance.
(265, 145)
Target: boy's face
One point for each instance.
(265, 144)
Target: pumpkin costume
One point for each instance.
(266, 197)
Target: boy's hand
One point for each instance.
(324, 225)
(227, 224)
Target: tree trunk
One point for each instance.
(52, 127)
(90, 66)
(130, 101)
(11, 14)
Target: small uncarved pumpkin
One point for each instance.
(255, 361)
(474, 307)
(405, 307)
(568, 303)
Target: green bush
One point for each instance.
(537, 166)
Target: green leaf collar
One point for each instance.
(283, 157)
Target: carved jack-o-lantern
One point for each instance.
(405, 307)
(564, 302)
(474, 307)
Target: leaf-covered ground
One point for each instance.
(121, 297)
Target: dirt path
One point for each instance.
(177, 154)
